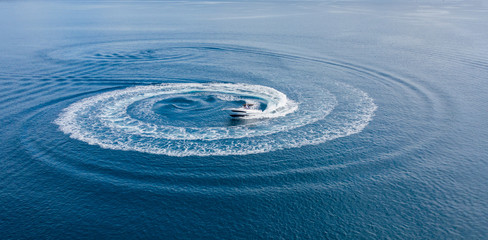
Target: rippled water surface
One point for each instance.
(372, 119)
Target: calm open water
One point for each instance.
(113, 121)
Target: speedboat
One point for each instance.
(245, 111)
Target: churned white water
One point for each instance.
(104, 120)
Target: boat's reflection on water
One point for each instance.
(233, 122)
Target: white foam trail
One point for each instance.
(103, 120)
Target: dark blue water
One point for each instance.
(114, 120)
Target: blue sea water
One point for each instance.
(114, 124)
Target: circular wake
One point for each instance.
(183, 119)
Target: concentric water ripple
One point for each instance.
(126, 52)
(142, 119)
(180, 110)
(118, 113)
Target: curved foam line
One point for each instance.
(103, 120)
(111, 110)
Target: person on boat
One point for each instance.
(247, 105)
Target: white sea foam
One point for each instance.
(104, 120)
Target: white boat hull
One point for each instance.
(243, 112)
